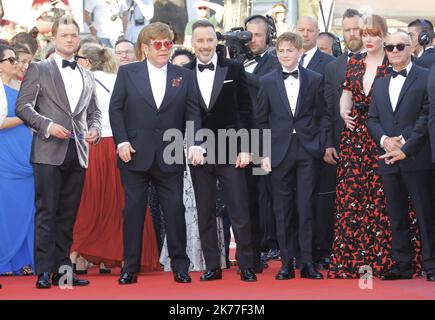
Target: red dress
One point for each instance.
(98, 228)
(362, 234)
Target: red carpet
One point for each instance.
(160, 285)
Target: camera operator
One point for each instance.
(257, 62)
(110, 19)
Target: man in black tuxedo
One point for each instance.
(398, 118)
(291, 104)
(225, 104)
(335, 73)
(315, 60)
(257, 63)
(141, 110)
(422, 35)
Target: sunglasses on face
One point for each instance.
(12, 60)
(80, 57)
(159, 44)
(202, 8)
(399, 47)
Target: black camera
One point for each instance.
(139, 22)
(236, 41)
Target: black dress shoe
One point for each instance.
(43, 281)
(286, 273)
(127, 278)
(182, 277)
(394, 275)
(79, 271)
(324, 263)
(248, 275)
(211, 274)
(76, 282)
(309, 271)
(430, 275)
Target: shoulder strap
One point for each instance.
(104, 87)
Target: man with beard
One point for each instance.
(335, 73)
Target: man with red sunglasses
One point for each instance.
(398, 122)
(149, 98)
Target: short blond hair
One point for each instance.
(295, 39)
(153, 31)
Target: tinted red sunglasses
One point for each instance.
(159, 44)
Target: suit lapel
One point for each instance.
(60, 91)
(173, 83)
(262, 62)
(314, 61)
(408, 82)
(282, 91)
(219, 78)
(141, 80)
(303, 85)
(80, 104)
(386, 88)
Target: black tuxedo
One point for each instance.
(412, 175)
(229, 108)
(260, 187)
(319, 62)
(431, 93)
(427, 59)
(135, 118)
(294, 157)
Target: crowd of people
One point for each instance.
(349, 177)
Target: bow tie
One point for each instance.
(403, 73)
(294, 74)
(71, 64)
(209, 66)
(250, 57)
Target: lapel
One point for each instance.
(303, 86)
(342, 66)
(282, 91)
(262, 62)
(141, 80)
(413, 75)
(80, 104)
(219, 78)
(60, 92)
(192, 66)
(386, 88)
(315, 60)
(172, 88)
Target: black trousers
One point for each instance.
(418, 185)
(58, 190)
(236, 200)
(169, 188)
(298, 169)
(267, 218)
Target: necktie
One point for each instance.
(71, 64)
(209, 66)
(294, 74)
(403, 73)
(301, 62)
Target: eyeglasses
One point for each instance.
(399, 46)
(80, 57)
(12, 60)
(202, 8)
(159, 44)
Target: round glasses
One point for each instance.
(159, 44)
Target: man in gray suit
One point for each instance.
(58, 101)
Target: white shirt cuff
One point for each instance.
(47, 134)
(402, 140)
(382, 141)
(199, 148)
(122, 144)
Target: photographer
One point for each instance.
(46, 11)
(140, 12)
(110, 19)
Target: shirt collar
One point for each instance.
(286, 70)
(408, 68)
(213, 60)
(310, 53)
(153, 68)
(423, 51)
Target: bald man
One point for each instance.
(398, 119)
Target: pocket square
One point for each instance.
(228, 81)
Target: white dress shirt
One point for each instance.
(3, 104)
(206, 79)
(158, 82)
(396, 85)
(73, 83)
(292, 86)
(72, 80)
(251, 65)
(308, 56)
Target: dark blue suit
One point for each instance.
(294, 157)
(319, 62)
(135, 118)
(412, 175)
(427, 59)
